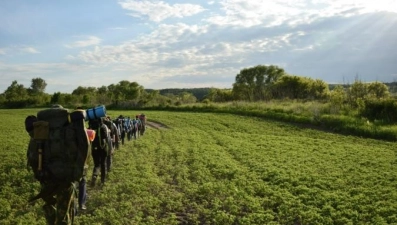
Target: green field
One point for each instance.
(220, 169)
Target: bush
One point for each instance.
(382, 110)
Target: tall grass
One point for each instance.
(321, 115)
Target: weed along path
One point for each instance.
(202, 168)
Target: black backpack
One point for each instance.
(101, 134)
(59, 146)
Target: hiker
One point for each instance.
(128, 127)
(112, 131)
(135, 128)
(99, 149)
(142, 119)
(122, 127)
(119, 137)
(57, 175)
(116, 141)
(82, 184)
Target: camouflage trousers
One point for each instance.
(60, 203)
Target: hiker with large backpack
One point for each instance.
(119, 124)
(111, 139)
(116, 141)
(99, 149)
(57, 152)
(142, 128)
(135, 128)
(128, 127)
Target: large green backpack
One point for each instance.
(59, 146)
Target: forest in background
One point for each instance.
(260, 85)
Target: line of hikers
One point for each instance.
(60, 148)
(110, 134)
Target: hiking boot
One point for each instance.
(82, 207)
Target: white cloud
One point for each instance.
(29, 50)
(70, 57)
(158, 11)
(293, 12)
(180, 49)
(18, 49)
(305, 37)
(88, 41)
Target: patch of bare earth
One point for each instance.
(156, 125)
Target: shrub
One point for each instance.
(383, 110)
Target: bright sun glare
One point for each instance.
(380, 5)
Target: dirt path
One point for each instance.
(156, 125)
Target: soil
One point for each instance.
(156, 125)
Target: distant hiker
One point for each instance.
(135, 128)
(128, 127)
(119, 124)
(57, 152)
(99, 150)
(112, 132)
(142, 119)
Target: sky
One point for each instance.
(193, 43)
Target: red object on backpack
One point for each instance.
(91, 134)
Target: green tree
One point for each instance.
(378, 90)
(85, 95)
(150, 98)
(84, 91)
(131, 90)
(55, 98)
(2, 99)
(318, 89)
(219, 95)
(291, 87)
(252, 84)
(187, 97)
(38, 86)
(338, 95)
(297, 87)
(16, 95)
(103, 95)
(358, 90)
(337, 98)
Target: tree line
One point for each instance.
(258, 83)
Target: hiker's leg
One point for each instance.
(66, 204)
(49, 190)
(96, 156)
(122, 137)
(49, 209)
(82, 192)
(109, 161)
(103, 165)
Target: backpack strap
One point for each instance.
(102, 145)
